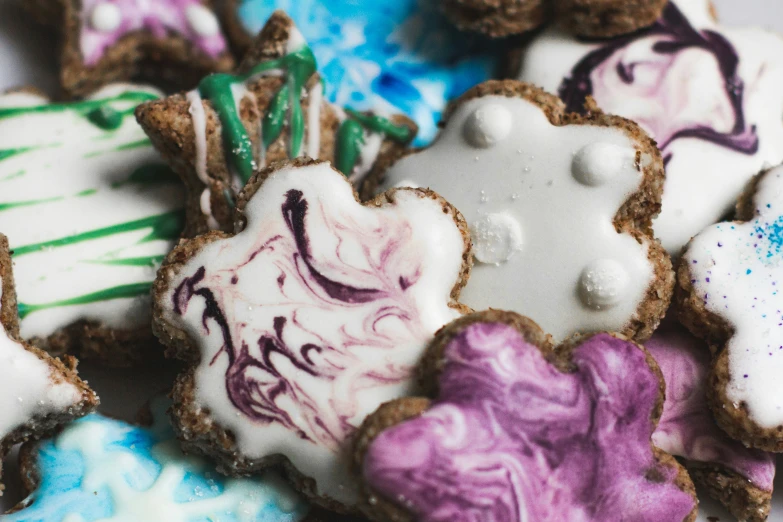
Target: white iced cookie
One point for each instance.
(731, 276)
(712, 97)
(311, 317)
(543, 201)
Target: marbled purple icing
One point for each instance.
(686, 428)
(159, 17)
(511, 438)
(664, 109)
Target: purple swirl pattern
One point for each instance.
(512, 438)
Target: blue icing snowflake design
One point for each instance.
(103, 470)
(384, 55)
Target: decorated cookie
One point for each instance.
(399, 56)
(559, 208)
(519, 431)
(37, 392)
(593, 18)
(306, 319)
(218, 135)
(728, 294)
(105, 41)
(709, 96)
(738, 477)
(104, 469)
(90, 210)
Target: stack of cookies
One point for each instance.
(456, 260)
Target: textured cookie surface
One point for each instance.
(559, 208)
(309, 317)
(739, 477)
(517, 431)
(387, 55)
(709, 96)
(90, 210)
(228, 128)
(728, 294)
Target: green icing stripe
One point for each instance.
(350, 137)
(135, 144)
(151, 174)
(117, 292)
(297, 68)
(131, 261)
(29, 203)
(7, 153)
(164, 227)
(86, 108)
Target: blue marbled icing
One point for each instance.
(385, 55)
(143, 470)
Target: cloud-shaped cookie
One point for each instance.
(305, 320)
(520, 431)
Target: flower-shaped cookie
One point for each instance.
(559, 207)
(104, 41)
(739, 477)
(729, 294)
(90, 209)
(228, 128)
(37, 393)
(520, 431)
(387, 55)
(313, 314)
(709, 95)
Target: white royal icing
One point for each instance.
(27, 388)
(331, 326)
(202, 20)
(737, 270)
(106, 17)
(536, 228)
(668, 92)
(61, 177)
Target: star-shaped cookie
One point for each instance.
(37, 393)
(306, 319)
(219, 134)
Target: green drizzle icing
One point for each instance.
(164, 227)
(135, 144)
(152, 261)
(7, 153)
(297, 68)
(117, 292)
(151, 174)
(28, 203)
(350, 137)
(106, 118)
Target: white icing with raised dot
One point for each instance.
(496, 237)
(597, 163)
(603, 284)
(203, 21)
(106, 17)
(487, 125)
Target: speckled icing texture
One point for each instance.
(105, 22)
(514, 439)
(99, 469)
(736, 269)
(386, 55)
(540, 201)
(314, 315)
(710, 96)
(28, 387)
(88, 207)
(686, 428)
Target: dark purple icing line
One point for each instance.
(679, 36)
(511, 438)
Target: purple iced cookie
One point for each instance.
(521, 431)
(739, 477)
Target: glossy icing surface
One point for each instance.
(384, 55)
(735, 268)
(99, 469)
(710, 96)
(314, 315)
(511, 438)
(88, 207)
(540, 201)
(686, 428)
(105, 22)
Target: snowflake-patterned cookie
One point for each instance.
(520, 431)
(305, 320)
(729, 292)
(559, 207)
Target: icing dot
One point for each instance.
(106, 17)
(597, 163)
(487, 125)
(603, 284)
(202, 20)
(496, 237)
